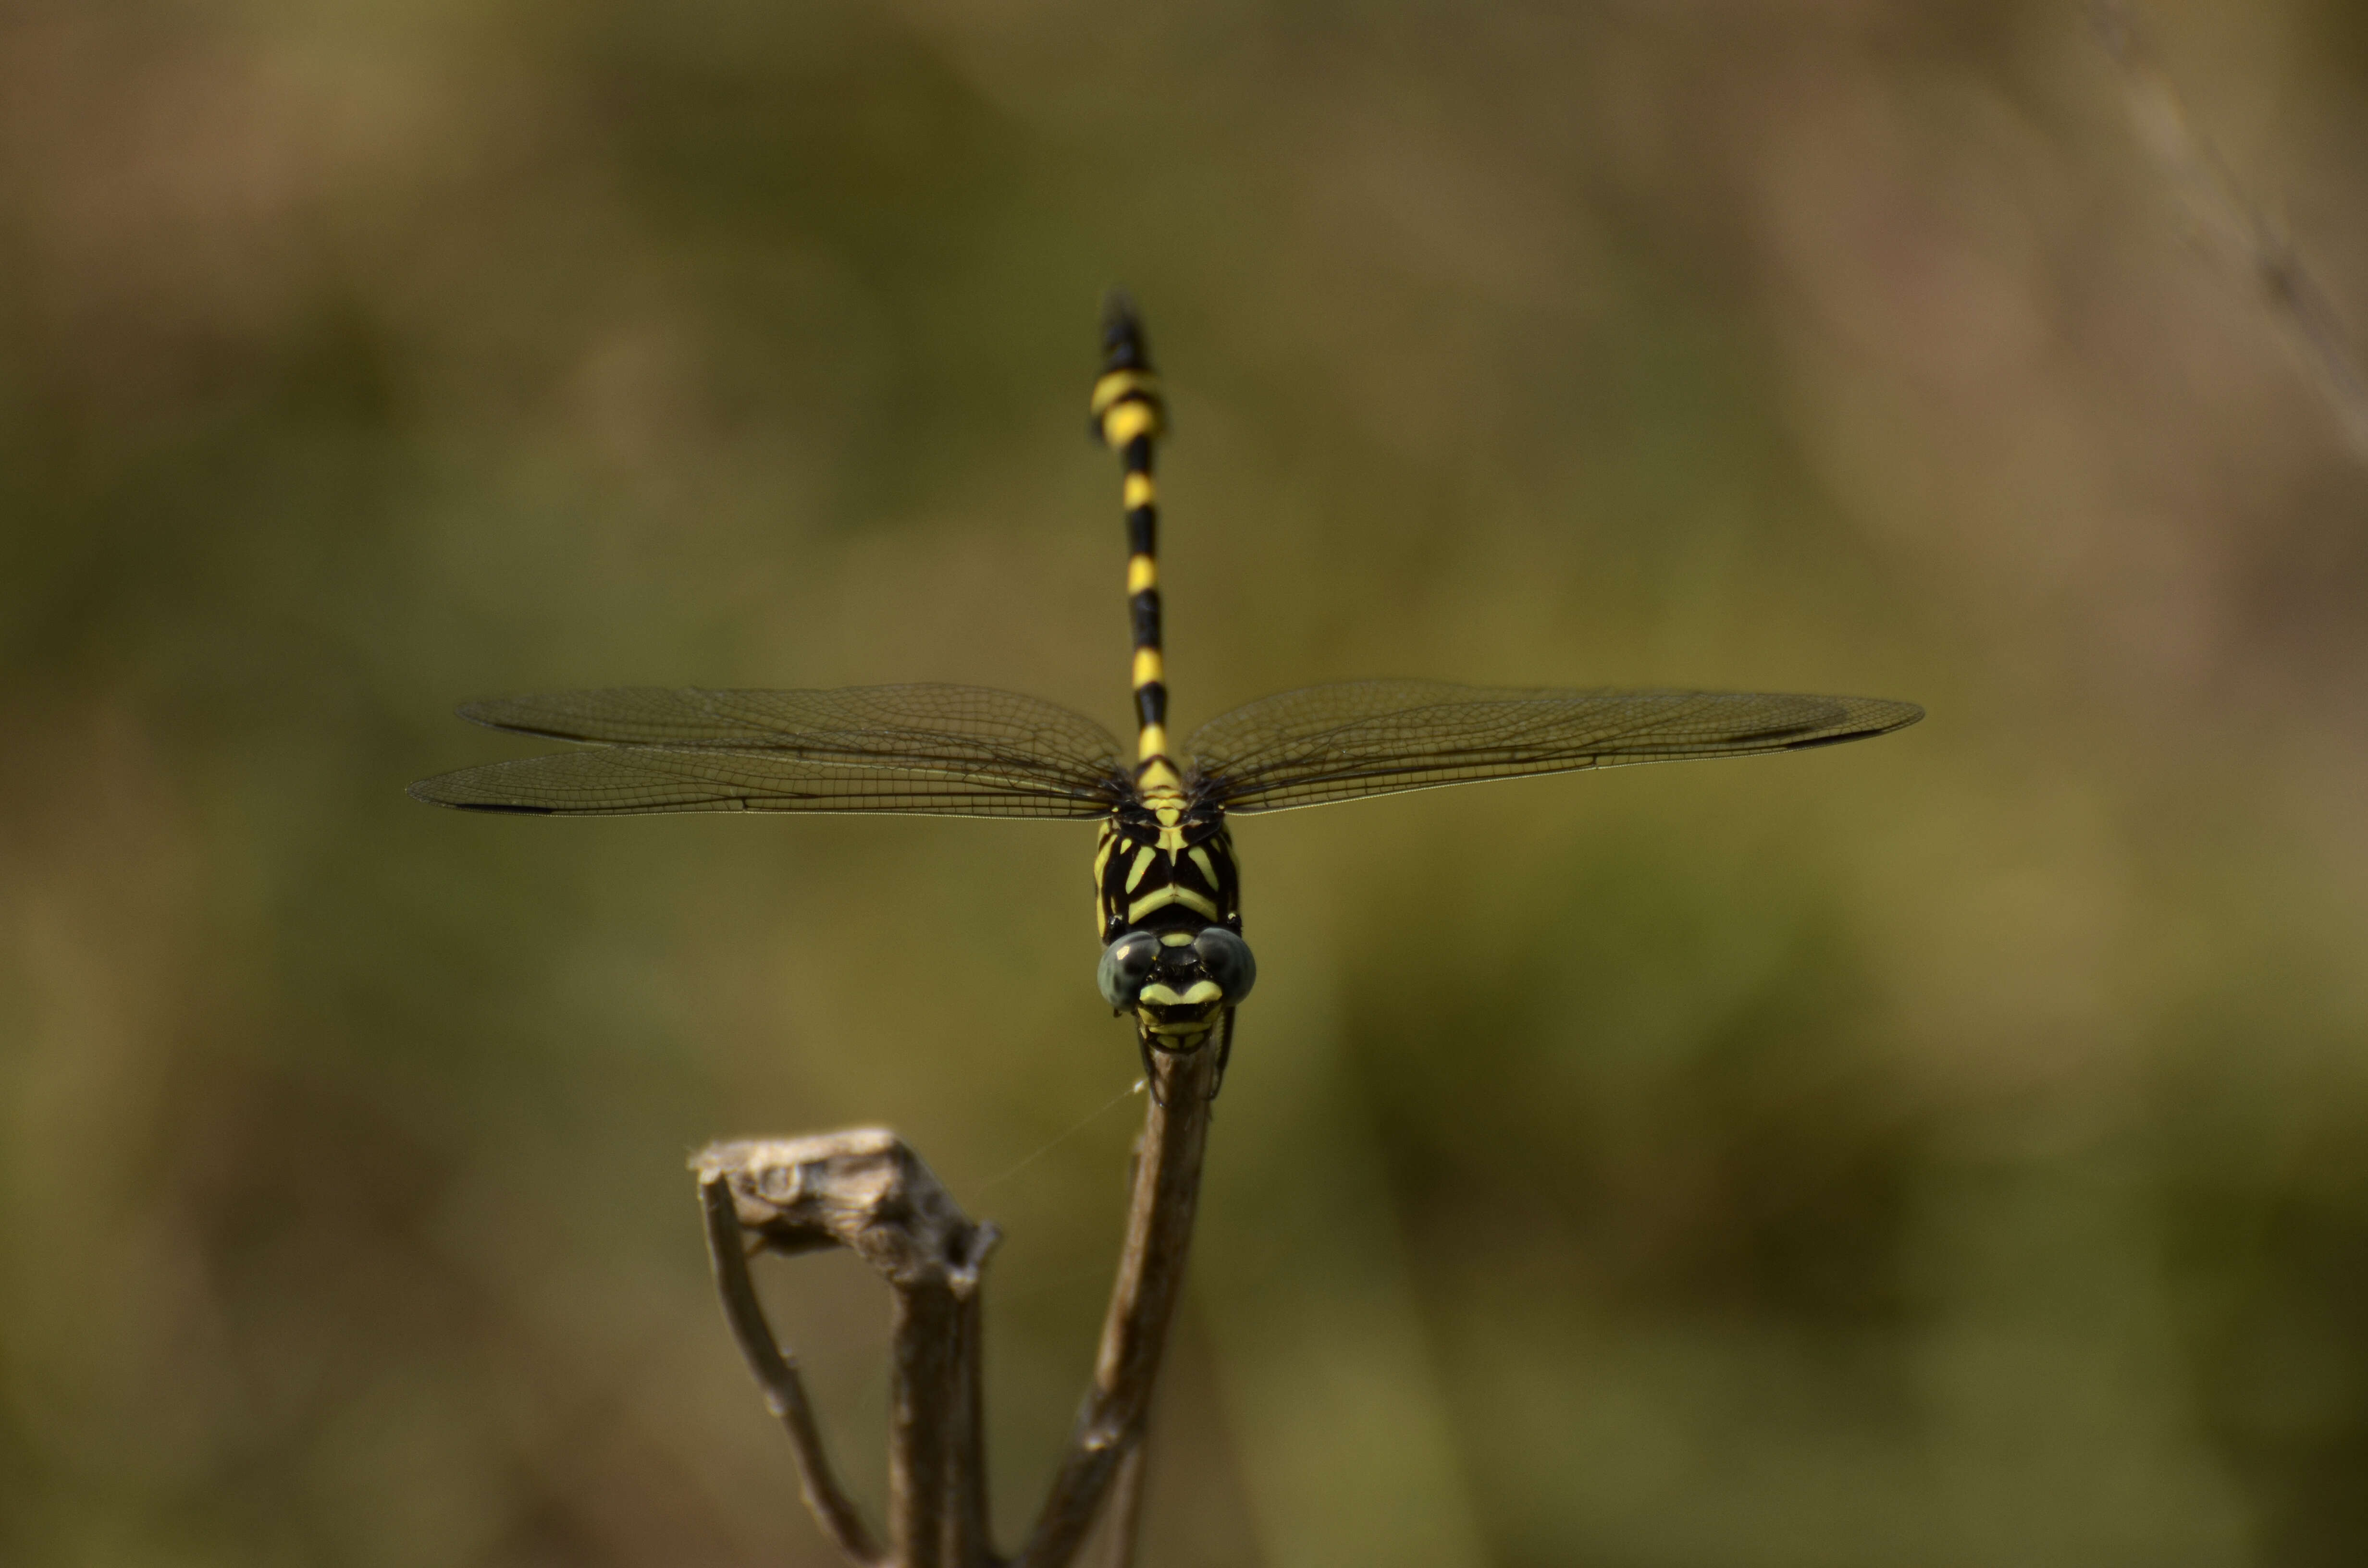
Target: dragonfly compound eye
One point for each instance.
(1227, 958)
(1127, 964)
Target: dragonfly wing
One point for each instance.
(933, 750)
(1346, 741)
(625, 780)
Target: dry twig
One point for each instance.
(777, 1375)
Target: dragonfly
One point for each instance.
(1167, 884)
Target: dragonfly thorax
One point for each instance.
(1164, 864)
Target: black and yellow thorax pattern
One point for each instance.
(1165, 864)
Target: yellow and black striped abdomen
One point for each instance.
(1163, 867)
(1129, 417)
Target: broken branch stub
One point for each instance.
(863, 1189)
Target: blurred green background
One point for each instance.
(1951, 1150)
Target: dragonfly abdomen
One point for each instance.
(1129, 417)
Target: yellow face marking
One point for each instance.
(1165, 896)
(1142, 859)
(1176, 939)
(1127, 420)
(1200, 991)
(1154, 744)
(1142, 573)
(1137, 491)
(1147, 667)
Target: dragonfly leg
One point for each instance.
(1150, 1067)
(1224, 1054)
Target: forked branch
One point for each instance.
(866, 1191)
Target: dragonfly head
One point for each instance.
(1176, 982)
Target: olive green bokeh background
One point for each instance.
(1951, 1150)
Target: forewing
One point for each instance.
(623, 780)
(1342, 742)
(928, 750)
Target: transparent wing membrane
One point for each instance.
(623, 780)
(1346, 741)
(923, 750)
(973, 750)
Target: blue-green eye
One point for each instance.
(1228, 960)
(1126, 966)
